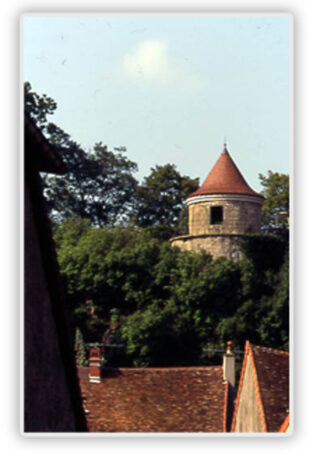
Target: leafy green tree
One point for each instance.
(274, 326)
(160, 336)
(262, 313)
(176, 328)
(99, 186)
(111, 268)
(99, 183)
(134, 272)
(38, 107)
(67, 234)
(161, 197)
(275, 210)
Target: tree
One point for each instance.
(275, 209)
(160, 336)
(99, 183)
(262, 315)
(274, 326)
(161, 196)
(38, 107)
(172, 307)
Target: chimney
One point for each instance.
(229, 365)
(229, 375)
(95, 364)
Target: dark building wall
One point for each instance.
(47, 400)
(52, 397)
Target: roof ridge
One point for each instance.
(208, 367)
(268, 349)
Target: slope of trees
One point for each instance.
(99, 183)
(126, 284)
(172, 306)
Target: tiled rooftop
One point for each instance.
(191, 399)
(225, 178)
(272, 368)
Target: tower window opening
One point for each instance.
(216, 215)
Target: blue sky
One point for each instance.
(169, 88)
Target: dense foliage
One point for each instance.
(128, 287)
(161, 198)
(172, 307)
(275, 210)
(99, 184)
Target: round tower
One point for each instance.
(221, 211)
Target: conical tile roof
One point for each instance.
(225, 178)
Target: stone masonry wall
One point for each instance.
(239, 217)
(216, 245)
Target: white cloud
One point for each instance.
(149, 61)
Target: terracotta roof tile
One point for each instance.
(225, 178)
(191, 399)
(272, 368)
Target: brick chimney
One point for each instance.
(95, 364)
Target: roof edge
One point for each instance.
(285, 424)
(236, 405)
(271, 350)
(34, 138)
(207, 197)
(248, 356)
(257, 388)
(225, 407)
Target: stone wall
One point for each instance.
(239, 217)
(216, 245)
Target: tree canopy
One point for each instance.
(161, 196)
(127, 284)
(172, 307)
(275, 210)
(100, 185)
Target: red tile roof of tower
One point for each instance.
(225, 178)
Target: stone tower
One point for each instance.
(221, 211)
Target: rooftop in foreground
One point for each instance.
(178, 399)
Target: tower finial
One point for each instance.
(225, 150)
